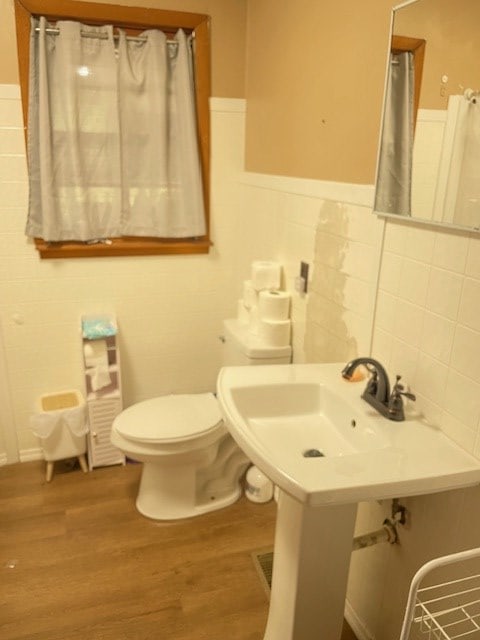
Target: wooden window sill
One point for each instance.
(121, 247)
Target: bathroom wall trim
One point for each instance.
(432, 115)
(6, 411)
(10, 91)
(27, 455)
(228, 105)
(357, 625)
(357, 194)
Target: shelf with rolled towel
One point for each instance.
(112, 392)
(109, 387)
(112, 368)
(101, 367)
(103, 387)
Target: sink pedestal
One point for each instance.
(310, 570)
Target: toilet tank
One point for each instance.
(243, 347)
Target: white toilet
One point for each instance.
(191, 465)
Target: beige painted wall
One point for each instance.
(315, 79)
(453, 51)
(228, 39)
(314, 87)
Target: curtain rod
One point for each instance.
(103, 36)
(471, 95)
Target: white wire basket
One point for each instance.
(447, 610)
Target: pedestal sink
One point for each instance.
(308, 429)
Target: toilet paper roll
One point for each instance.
(266, 275)
(275, 333)
(274, 305)
(243, 314)
(253, 320)
(250, 296)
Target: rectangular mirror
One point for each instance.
(429, 153)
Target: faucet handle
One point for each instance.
(395, 402)
(398, 390)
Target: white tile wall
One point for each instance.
(427, 331)
(427, 152)
(341, 306)
(430, 309)
(426, 323)
(426, 327)
(290, 217)
(169, 309)
(284, 222)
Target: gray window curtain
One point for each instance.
(394, 180)
(112, 139)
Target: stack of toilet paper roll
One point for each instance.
(264, 307)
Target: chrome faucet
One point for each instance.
(377, 392)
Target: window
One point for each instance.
(133, 21)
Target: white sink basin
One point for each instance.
(305, 419)
(277, 413)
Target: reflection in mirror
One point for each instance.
(429, 154)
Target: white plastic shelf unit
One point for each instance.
(104, 400)
(448, 610)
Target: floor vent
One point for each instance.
(263, 561)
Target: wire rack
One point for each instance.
(447, 610)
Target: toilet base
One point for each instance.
(169, 493)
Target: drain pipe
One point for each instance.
(388, 533)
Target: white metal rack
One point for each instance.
(448, 610)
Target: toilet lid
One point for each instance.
(169, 418)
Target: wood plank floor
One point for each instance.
(77, 562)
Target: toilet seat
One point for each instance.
(173, 418)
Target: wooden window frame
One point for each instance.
(133, 19)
